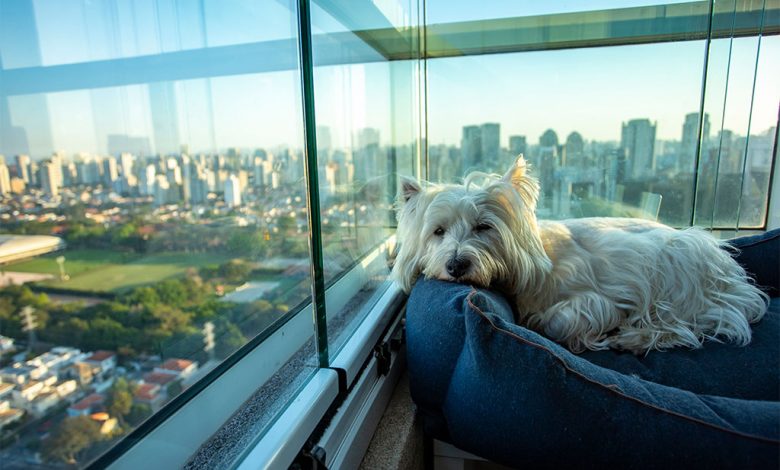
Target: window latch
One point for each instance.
(383, 357)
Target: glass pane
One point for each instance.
(155, 217)
(735, 66)
(601, 126)
(367, 125)
(605, 104)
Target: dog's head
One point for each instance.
(482, 234)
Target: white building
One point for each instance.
(5, 180)
(232, 191)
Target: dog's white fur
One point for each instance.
(593, 283)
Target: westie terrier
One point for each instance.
(593, 283)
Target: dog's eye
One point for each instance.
(482, 227)
(438, 232)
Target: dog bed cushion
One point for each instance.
(508, 394)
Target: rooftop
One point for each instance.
(158, 378)
(99, 356)
(88, 402)
(178, 365)
(147, 392)
(18, 247)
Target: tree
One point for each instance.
(235, 270)
(72, 436)
(174, 388)
(229, 339)
(138, 413)
(120, 399)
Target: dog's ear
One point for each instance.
(409, 188)
(526, 185)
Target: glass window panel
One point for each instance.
(176, 206)
(601, 126)
(57, 32)
(367, 129)
(610, 131)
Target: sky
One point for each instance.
(591, 91)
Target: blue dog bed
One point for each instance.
(510, 395)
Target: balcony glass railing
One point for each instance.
(178, 185)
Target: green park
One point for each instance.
(96, 270)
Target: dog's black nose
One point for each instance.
(457, 267)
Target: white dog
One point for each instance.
(593, 283)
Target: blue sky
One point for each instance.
(588, 90)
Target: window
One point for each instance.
(155, 156)
(196, 198)
(606, 104)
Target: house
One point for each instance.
(8, 415)
(6, 344)
(25, 393)
(65, 388)
(86, 405)
(150, 394)
(159, 378)
(104, 362)
(80, 371)
(5, 390)
(42, 403)
(182, 369)
(57, 358)
(19, 373)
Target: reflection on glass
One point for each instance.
(150, 227)
(366, 117)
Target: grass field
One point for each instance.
(107, 271)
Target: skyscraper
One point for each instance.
(471, 148)
(5, 180)
(637, 139)
(23, 168)
(518, 145)
(491, 145)
(49, 179)
(690, 139)
(110, 171)
(574, 150)
(232, 191)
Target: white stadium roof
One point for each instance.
(16, 247)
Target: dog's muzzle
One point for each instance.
(457, 267)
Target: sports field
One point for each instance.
(107, 271)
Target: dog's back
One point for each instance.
(659, 287)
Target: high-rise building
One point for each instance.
(126, 161)
(147, 180)
(161, 190)
(258, 174)
(232, 191)
(49, 177)
(110, 171)
(471, 148)
(491, 145)
(518, 145)
(690, 140)
(5, 180)
(548, 139)
(367, 137)
(23, 168)
(574, 150)
(637, 138)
